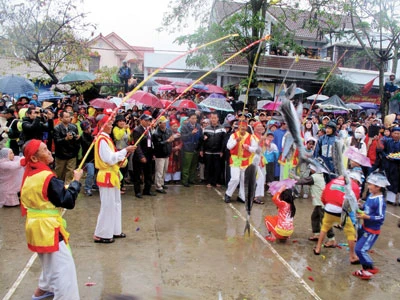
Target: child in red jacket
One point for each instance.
(281, 226)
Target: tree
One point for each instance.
(340, 86)
(249, 21)
(375, 27)
(44, 33)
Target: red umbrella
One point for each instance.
(214, 89)
(188, 104)
(163, 81)
(166, 87)
(165, 102)
(145, 98)
(102, 103)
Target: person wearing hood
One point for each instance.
(11, 173)
(324, 148)
(358, 140)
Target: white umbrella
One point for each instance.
(317, 97)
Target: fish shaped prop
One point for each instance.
(350, 203)
(293, 121)
(292, 118)
(250, 176)
(290, 91)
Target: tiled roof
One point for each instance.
(285, 62)
(139, 50)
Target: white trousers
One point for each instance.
(109, 221)
(160, 171)
(173, 176)
(237, 176)
(260, 181)
(58, 274)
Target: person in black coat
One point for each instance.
(212, 150)
(142, 158)
(35, 124)
(162, 141)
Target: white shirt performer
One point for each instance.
(108, 161)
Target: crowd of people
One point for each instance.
(193, 147)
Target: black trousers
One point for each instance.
(140, 168)
(213, 168)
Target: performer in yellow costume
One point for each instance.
(108, 161)
(42, 196)
(242, 146)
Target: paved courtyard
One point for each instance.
(189, 244)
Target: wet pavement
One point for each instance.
(189, 244)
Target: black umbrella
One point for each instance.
(260, 93)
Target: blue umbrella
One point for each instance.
(12, 84)
(200, 87)
(50, 95)
(297, 91)
(78, 76)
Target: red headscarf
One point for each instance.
(32, 168)
(255, 124)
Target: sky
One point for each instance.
(135, 21)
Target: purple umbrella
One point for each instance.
(274, 186)
(368, 105)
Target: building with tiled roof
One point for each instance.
(317, 49)
(111, 50)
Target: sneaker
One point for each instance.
(88, 193)
(363, 274)
(305, 196)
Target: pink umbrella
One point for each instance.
(145, 98)
(179, 83)
(272, 106)
(181, 89)
(166, 87)
(214, 89)
(163, 81)
(188, 104)
(102, 103)
(354, 154)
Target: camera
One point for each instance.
(72, 133)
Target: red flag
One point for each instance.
(368, 86)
